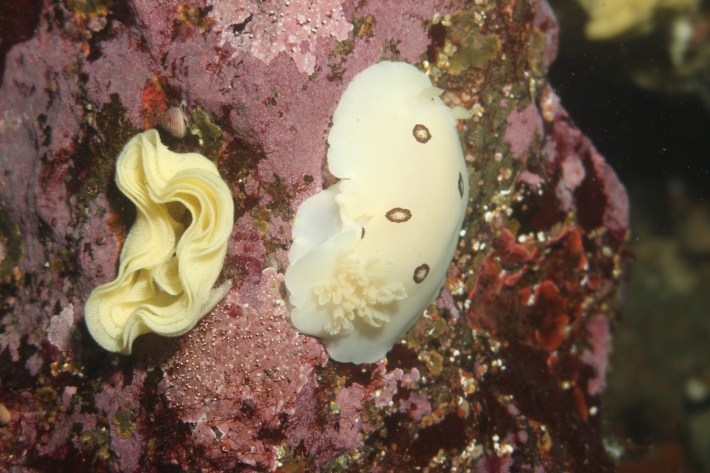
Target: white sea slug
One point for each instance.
(370, 253)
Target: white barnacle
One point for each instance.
(371, 252)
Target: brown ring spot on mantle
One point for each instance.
(398, 215)
(421, 133)
(421, 272)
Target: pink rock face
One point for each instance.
(273, 27)
(236, 396)
(523, 127)
(503, 374)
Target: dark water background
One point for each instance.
(657, 402)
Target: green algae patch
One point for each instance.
(208, 133)
(90, 7)
(124, 423)
(106, 132)
(473, 47)
(195, 16)
(536, 52)
(96, 443)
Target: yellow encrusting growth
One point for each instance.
(360, 289)
(608, 19)
(174, 252)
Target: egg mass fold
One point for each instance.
(174, 251)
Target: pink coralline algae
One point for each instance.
(60, 328)
(503, 373)
(264, 29)
(523, 126)
(269, 364)
(597, 353)
(341, 423)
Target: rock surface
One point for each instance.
(505, 371)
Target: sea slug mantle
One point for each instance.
(370, 253)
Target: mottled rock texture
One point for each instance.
(504, 372)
